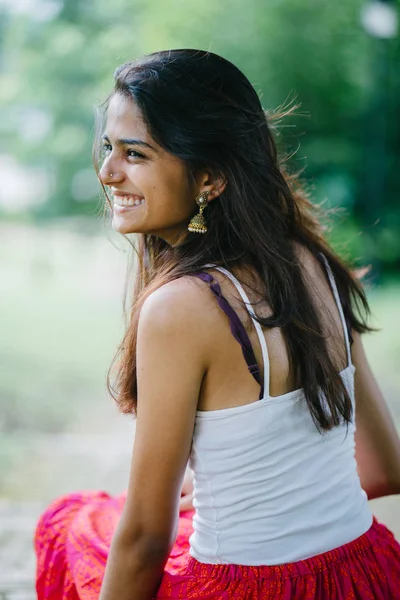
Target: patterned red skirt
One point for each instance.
(73, 537)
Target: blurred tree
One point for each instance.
(57, 66)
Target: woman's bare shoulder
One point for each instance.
(185, 301)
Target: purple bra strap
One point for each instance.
(236, 326)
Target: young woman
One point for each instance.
(242, 355)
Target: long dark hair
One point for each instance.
(202, 109)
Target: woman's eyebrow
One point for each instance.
(129, 142)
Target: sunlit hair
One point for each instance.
(202, 109)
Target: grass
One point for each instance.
(61, 317)
(61, 323)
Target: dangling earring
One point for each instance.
(198, 222)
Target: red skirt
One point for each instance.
(73, 537)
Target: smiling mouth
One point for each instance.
(128, 201)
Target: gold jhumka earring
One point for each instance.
(198, 222)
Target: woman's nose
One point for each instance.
(108, 176)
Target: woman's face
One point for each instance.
(140, 173)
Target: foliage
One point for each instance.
(57, 64)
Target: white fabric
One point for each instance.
(268, 487)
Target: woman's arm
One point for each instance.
(173, 337)
(377, 441)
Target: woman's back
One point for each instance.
(227, 365)
(269, 487)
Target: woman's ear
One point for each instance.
(212, 183)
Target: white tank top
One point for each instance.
(268, 487)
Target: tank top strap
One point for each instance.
(335, 291)
(257, 325)
(237, 328)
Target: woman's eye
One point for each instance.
(134, 154)
(106, 149)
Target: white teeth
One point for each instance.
(128, 201)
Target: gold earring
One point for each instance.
(198, 222)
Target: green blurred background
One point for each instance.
(62, 268)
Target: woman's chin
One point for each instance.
(123, 225)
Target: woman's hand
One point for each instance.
(186, 501)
